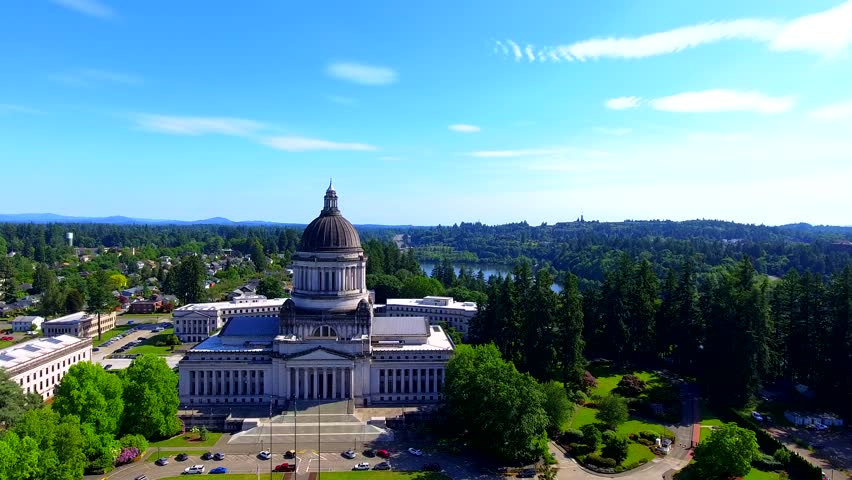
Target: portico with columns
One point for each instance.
(325, 344)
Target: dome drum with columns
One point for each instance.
(324, 343)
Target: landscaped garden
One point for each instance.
(616, 429)
(194, 438)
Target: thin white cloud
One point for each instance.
(363, 74)
(464, 128)
(182, 125)
(303, 144)
(516, 50)
(88, 77)
(622, 103)
(834, 111)
(827, 33)
(92, 8)
(530, 54)
(502, 48)
(9, 108)
(720, 100)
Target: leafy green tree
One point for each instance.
(557, 406)
(60, 443)
(385, 286)
(271, 287)
(100, 298)
(150, 398)
(612, 411)
(258, 258)
(43, 278)
(53, 301)
(728, 452)
(18, 457)
(615, 447)
(189, 280)
(591, 436)
(101, 449)
(93, 395)
(418, 286)
(14, 403)
(495, 408)
(117, 281)
(74, 301)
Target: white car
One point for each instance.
(821, 427)
(757, 416)
(415, 451)
(194, 470)
(264, 455)
(350, 454)
(362, 466)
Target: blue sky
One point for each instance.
(428, 112)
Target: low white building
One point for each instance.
(197, 321)
(800, 418)
(437, 309)
(80, 324)
(38, 365)
(27, 323)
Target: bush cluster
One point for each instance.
(631, 385)
(127, 455)
(600, 461)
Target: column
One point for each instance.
(410, 380)
(352, 383)
(314, 382)
(296, 382)
(334, 383)
(416, 371)
(197, 383)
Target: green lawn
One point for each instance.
(636, 452)
(367, 475)
(188, 440)
(755, 474)
(608, 378)
(148, 346)
(585, 416)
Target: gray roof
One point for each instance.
(250, 327)
(399, 326)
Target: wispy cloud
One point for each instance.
(92, 8)
(363, 74)
(464, 128)
(825, 33)
(720, 100)
(622, 103)
(182, 125)
(87, 77)
(8, 108)
(834, 111)
(303, 144)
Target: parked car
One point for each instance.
(141, 477)
(362, 466)
(264, 455)
(369, 453)
(181, 457)
(383, 453)
(162, 461)
(219, 470)
(290, 454)
(382, 466)
(194, 470)
(350, 454)
(415, 451)
(207, 456)
(96, 349)
(527, 473)
(820, 427)
(285, 467)
(757, 416)
(218, 456)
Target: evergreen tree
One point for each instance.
(258, 258)
(100, 297)
(189, 280)
(74, 301)
(43, 278)
(570, 332)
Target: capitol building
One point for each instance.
(324, 343)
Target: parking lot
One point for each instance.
(127, 339)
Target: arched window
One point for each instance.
(324, 331)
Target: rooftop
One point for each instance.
(249, 301)
(400, 326)
(433, 301)
(70, 319)
(24, 352)
(437, 341)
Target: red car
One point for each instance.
(285, 467)
(7, 338)
(382, 453)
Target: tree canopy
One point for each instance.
(93, 395)
(150, 398)
(728, 452)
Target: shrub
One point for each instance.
(631, 385)
(126, 456)
(615, 447)
(767, 463)
(597, 460)
(649, 435)
(612, 410)
(134, 441)
(589, 381)
(646, 442)
(591, 436)
(572, 435)
(203, 433)
(782, 455)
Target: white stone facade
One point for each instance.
(38, 366)
(195, 322)
(80, 324)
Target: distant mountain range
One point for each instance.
(122, 220)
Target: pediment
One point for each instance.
(318, 354)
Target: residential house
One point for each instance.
(26, 323)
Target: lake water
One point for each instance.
(488, 269)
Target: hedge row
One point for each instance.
(798, 467)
